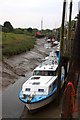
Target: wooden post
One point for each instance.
(61, 51)
(73, 73)
(69, 30)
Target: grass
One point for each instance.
(13, 44)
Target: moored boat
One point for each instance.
(41, 88)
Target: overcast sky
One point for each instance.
(28, 13)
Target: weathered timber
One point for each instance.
(61, 50)
(73, 73)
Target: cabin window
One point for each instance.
(45, 73)
(36, 83)
(37, 72)
(33, 78)
(50, 73)
(40, 90)
(27, 89)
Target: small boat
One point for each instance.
(55, 43)
(41, 88)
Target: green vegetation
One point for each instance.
(17, 40)
(7, 27)
(14, 41)
(13, 44)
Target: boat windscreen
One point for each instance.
(44, 73)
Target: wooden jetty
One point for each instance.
(69, 55)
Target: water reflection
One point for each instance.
(49, 111)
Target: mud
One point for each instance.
(19, 65)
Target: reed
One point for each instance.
(13, 44)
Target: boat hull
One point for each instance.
(39, 104)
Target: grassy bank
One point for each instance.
(13, 44)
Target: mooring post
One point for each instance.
(61, 52)
(73, 76)
(69, 30)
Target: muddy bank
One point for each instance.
(19, 65)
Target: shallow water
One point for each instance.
(49, 111)
(12, 107)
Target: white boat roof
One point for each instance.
(56, 42)
(46, 58)
(48, 40)
(39, 81)
(47, 67)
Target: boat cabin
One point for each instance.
(42, 82)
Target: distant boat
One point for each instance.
(55, 43)
(40, 89)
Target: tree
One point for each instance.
(29, 29)
(0, 27)
(4, 29)
(8, 25)
(18, 31)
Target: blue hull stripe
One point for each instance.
(37, 98)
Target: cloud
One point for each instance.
(25, 13)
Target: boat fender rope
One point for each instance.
(72, 88)
(72, 93)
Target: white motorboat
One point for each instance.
(40, 89)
